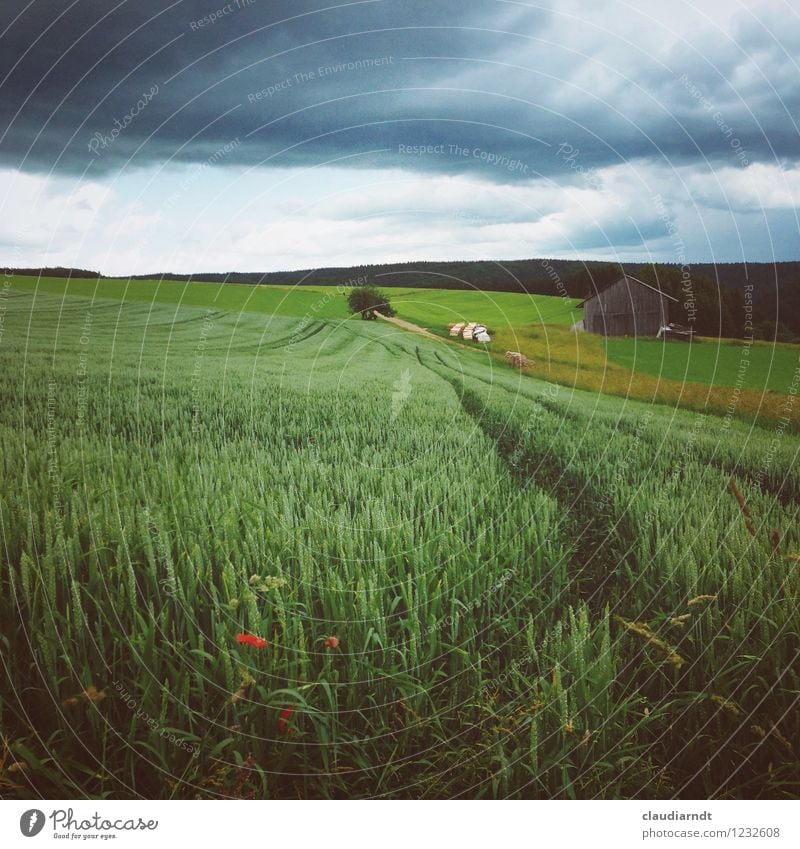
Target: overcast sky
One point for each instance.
(140, 136)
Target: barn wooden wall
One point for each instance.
(626, 309)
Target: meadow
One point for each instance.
(700, 377)
(430, 308)
(765, 365)
(272, 300)
(434, 309)
(755, 384)
(254, 553)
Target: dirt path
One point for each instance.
(414, 328)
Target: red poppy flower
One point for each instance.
(331, 642)
(283, 720)
(252, 640)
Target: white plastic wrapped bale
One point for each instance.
(479, 334)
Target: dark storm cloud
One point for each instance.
(97, 84)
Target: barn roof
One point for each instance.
(633, 279)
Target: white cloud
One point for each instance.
(757, 187)
(47, 216)
(270, 219)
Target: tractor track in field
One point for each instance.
(407, 325)
(596, 552)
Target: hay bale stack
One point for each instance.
(517, 359)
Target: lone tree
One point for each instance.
(368, 300)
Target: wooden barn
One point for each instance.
(628, 307)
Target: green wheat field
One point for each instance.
(252, 548)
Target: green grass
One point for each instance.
(312, 301)
(436, 308)
(428, 307)
(538, 592)
(722, 363)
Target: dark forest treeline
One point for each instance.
(722, 299)
(536, 276)
(769, 312)
(57, 271)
